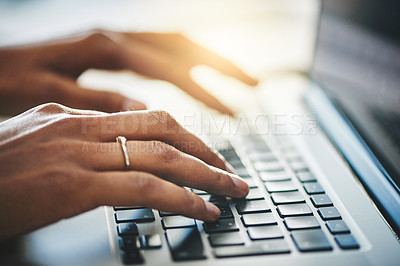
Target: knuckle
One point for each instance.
(58, 120)
(178, 36)
(164, 152)
(102, 43)
(165, 121)
(97, 37)
(51, 108)
(160, 115)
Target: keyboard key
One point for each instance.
(280, 186)
(163, 214)
(256, 145)
(129, 243)
(274, 176)
(261, 157)
(135, 215)
(321, 200)
(298, 166)
(214, 199)
(229, 154)
(177, 221)
(226, 211)
(329, 213)
(118, 208)
(303, 222)
(313, 188)
(305, 177)
(185, 244)
(242, 172)
(294, 210)
(150, 241)
(254, 194)
(127, 229)
(252, 206)
(251, 183)
(252, 138)
(252, 219)
(265, 247)
(287, 147)
(292, 156)
(337, 227)
(287, 197)
(226, 239)
(311, 240)
(347, 242)
(199, 192)
(132, 257)
(264, 232)
(274, 166)
(205, 197)
(221, 225)
(236, 163)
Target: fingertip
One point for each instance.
(251, 81)
(241, 186)
(227, 111)
(232, 113)
(212, 211)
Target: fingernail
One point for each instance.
(128, 104)
(240, 184)
(212, 210)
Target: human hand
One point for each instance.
(57, 162)
(34, 75)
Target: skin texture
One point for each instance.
(42, 73)
(58, 162)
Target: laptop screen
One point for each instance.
(357, 62)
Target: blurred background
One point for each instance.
(269, 39)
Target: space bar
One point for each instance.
(267, 247)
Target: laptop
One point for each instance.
(302, 210)
(324, 190)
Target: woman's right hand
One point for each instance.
(58, 162)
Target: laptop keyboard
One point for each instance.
(255, 229)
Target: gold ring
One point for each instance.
(122, 140)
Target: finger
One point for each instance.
(72, 56)
(196, 54)
(169, 163)
(197, 92)
(143, 189)
(153, 125)
(151, 62)
(66, 91)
